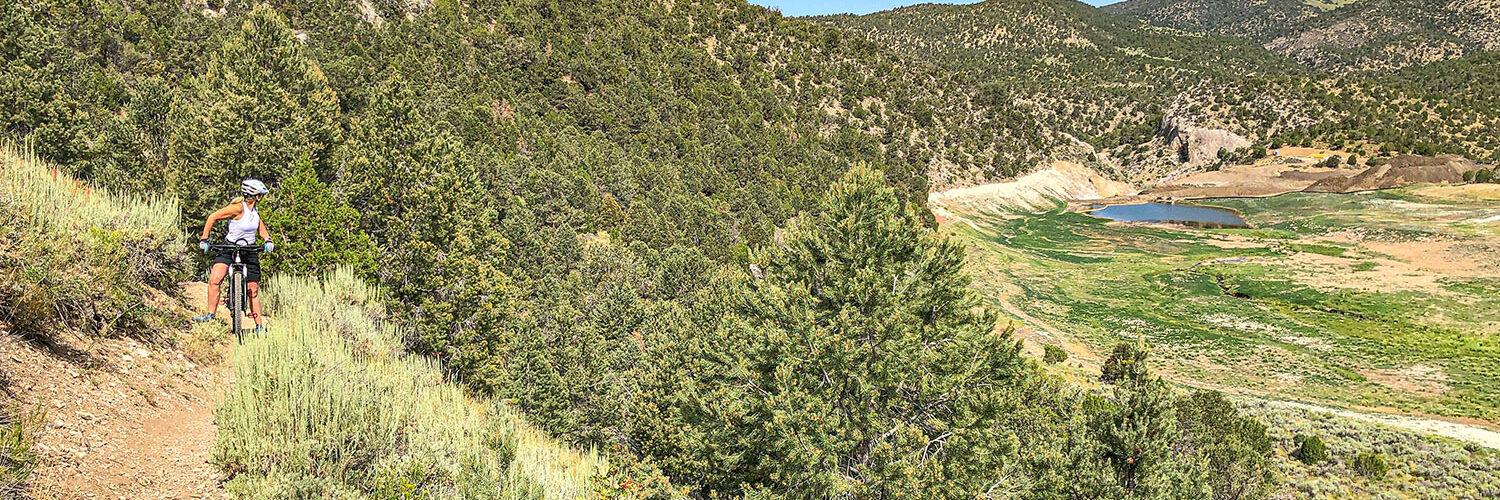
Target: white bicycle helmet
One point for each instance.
(253, 187)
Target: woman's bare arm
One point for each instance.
(227, 212)
(265, 234)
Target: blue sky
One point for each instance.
(814, 7)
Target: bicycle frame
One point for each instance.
(238, 298)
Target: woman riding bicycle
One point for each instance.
(244, 224)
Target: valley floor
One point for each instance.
(1371, 320)
(1383, 302)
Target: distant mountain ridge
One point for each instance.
(1107, 80)
(1156, 102)
(1353, 35)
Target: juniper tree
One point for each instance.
(315, 229)
(854, 362)
(1236, 448)
(260, 105)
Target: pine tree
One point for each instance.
(1139, 439)
(1236, 448)
(856, 362)
(1126, 363)
(261, 105)
(315, 231)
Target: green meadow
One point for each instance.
(1384, 300)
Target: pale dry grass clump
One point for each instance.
(73, 257)
(63, 204)
(329, 405)
(18, 428)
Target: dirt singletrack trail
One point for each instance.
(1029, 324)
(124, 419)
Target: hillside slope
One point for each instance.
(1158, 102)
(1339, 34)
(110, 392)
(1110, 81)
(117, 396)
(518, 174)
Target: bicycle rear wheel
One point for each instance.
(237, 304)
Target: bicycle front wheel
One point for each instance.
(237, 304)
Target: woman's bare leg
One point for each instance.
(254, 288)
(215, 276)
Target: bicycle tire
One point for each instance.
(236, 307)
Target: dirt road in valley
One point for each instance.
(1037, 331)
(1488, 437)
(1033, 326)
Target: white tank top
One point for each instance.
(242, 230)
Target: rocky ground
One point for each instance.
(124, 418)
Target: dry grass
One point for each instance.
(329, 405)
(65, 206)
(17, 460)
(76, 258)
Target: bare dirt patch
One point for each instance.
(1038, 190)
(1264, 178)
(1462, 192)
(1426, 380)
(124, 418)
(1442, 257)
(1326, 272)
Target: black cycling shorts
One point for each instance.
(251, 260)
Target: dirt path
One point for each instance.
(123, 419)
(1469, 433)
(1044, 329)
(160, 452)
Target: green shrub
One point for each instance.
(1236, 448)
(1369, 464)
(1310, 449)
(17, 460)
(1126, 363)
(328, 405)
(1486, 175)
(76, 258)
(629, 478)
(1052, 354)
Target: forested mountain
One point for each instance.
(688, 233)
(1139, 93)
(657, 81)
(1339, 34)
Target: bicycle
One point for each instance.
(238, 298)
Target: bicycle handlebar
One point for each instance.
(242, 248)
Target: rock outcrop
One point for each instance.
(1400, 171)
(1040, 190)
(1198, 146)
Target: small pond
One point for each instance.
(1189, 215)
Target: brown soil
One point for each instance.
(1425, 380)
(1403, 170)
(1463, 192)
(1325, 272)
(1466, 259)
(1265, 178)
(124, 418)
